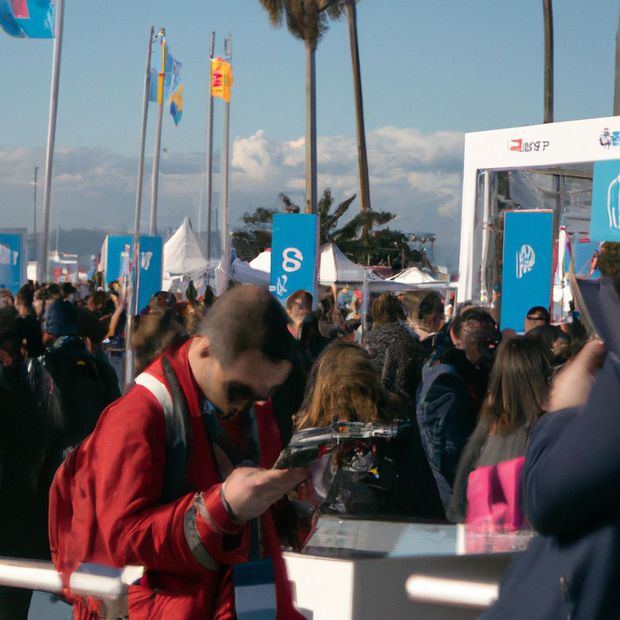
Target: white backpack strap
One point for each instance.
(159, 390)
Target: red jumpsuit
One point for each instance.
(115, 516)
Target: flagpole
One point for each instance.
(160, 115)
(133, 294)
(43, 263)
(208, 188)
(225, 161)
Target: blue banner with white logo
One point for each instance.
(12, 274)
(605, 214)
(294, 254)
(527, 271)
(119, 254)
(151, 268)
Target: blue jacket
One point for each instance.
(572, 498)
(446, 415)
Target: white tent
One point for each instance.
(335, 267)
(262, 262)
(415, 276)
(183, 258)
(246, 274)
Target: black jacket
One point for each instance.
(400, 485)
(85, 385)
(397, 357)
(572, 497)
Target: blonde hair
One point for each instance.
(343, 385)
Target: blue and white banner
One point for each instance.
(119, 253)
(294, 254)
(12, 274)
(605, 214)
(527, 271)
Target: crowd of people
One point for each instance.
(187, 493)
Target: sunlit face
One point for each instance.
(233, 388)
(299, 309)
(534, 319)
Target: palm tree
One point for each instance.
(306, 20)
(359, 106)
(617, 73)
(548, 20)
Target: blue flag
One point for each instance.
(27, 18)
(8, 22)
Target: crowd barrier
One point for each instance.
(451, 592)
(101, 582)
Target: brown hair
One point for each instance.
(247, 318)
(518, 386)
(342, 385)
(387, 309)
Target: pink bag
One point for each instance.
(494, 497)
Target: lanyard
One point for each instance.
(218, 436)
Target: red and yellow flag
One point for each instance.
(221, 79)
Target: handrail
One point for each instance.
(101, 582)
(451, 592)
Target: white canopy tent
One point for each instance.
(421, 279)
(183, 258)
(262, 262)
(336, 268)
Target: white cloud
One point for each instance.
(415, 175)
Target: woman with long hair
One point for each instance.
(516, 397)
(343, 386)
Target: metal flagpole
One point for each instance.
(208, 188)
(132, 295)
(208, 117)
(43, 263)
(224, 196)
(160, 113)
(34, 212)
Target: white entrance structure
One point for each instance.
(558, 149)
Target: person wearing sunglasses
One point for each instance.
(194, 511)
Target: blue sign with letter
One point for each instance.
(119, 253)
(527, 271)
(605, 215)
(294, 254)
(11, 261)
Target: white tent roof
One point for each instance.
(336, 267)
(414, 275)
(182, 254)
(244, 272)
(262, 262)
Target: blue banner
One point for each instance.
(527, 271)
(119, 254)
(12, 274)
(605, 215)
(151, 268)
(294, 255)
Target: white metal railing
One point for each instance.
(101, 582)
(451, 592)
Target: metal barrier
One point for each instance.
(451, 592)
(101, 582)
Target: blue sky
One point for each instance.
(431, 69)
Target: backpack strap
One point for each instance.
(178, 427)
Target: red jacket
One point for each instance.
(112, 513)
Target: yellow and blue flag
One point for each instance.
(176, 104)
(27, 18)
(161, 89)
